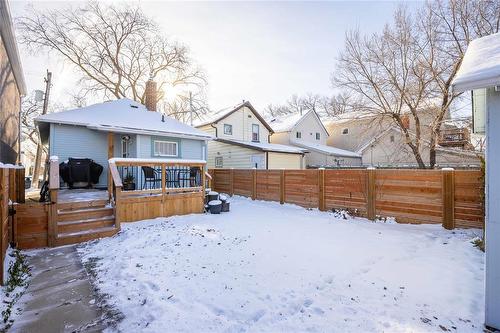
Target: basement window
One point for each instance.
(166, 148)
(218, 162)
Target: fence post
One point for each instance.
(254, 183)
(321, 189)
(21, 192)
(371, 195)
(448, 198)
(231, 179)
(282, 186)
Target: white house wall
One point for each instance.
(233, 156)
(285, 161)
(241, 121)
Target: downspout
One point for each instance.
(267, 160)
(216, 134)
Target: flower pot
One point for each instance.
(215, 206)
(225, 207)
(128, 186)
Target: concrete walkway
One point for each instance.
(60, 297)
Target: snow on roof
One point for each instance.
(210, 118)
(325, 149)
(123, 115)
(480, 67)
(264, 146)
(350, 116)
(286, 122)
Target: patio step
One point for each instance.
(76, 205)
(84, 213)
(85, 235)
(85, 224)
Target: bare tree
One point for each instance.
(116, 49)
(448, 27)
(381, 70)
(30, 109)
(407, 69)
(323, 105)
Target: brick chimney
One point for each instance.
(150, 97)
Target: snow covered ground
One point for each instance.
(266, 267)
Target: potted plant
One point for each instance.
(129, 182)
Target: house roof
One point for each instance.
(215, 117)
(324, 149)
(9, 40)
(264, 146)
(123, 116)
(287, 122)
(480, 67)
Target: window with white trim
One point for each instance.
(255, 133)
(317, 136)
(165, 148)
(298, 135)
(228, 129)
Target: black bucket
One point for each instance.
(225, 207)
(213, 196)
(215, 206)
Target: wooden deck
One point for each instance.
(76, 195)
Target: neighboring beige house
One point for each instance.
(12, 87)
(242, 141)
(381, 143)
(307, 131)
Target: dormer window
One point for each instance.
(228, 129)
(345, 131)
(255, 133)
(298, 135)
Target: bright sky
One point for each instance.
(258, 51)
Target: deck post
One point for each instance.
(321, 189)
(53, 189)
(448, 198)
(111, 147)
(370, 195)
(118, 195)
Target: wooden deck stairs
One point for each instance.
(83, 221)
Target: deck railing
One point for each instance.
(147, 188)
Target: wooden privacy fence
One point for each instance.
(11, 193)
(453, 198)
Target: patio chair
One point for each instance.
(150, 176)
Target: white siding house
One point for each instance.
(137, 133)
(307, 131)
(242, 141)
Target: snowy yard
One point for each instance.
(266, 267)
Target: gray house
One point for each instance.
(120, 128)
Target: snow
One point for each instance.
(212, 117)
(266, 267)
(325, 149)
(286, 123)
(480, 67)
(264, 146)
(123, 115)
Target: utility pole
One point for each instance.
(39, 148)
(191, 108)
